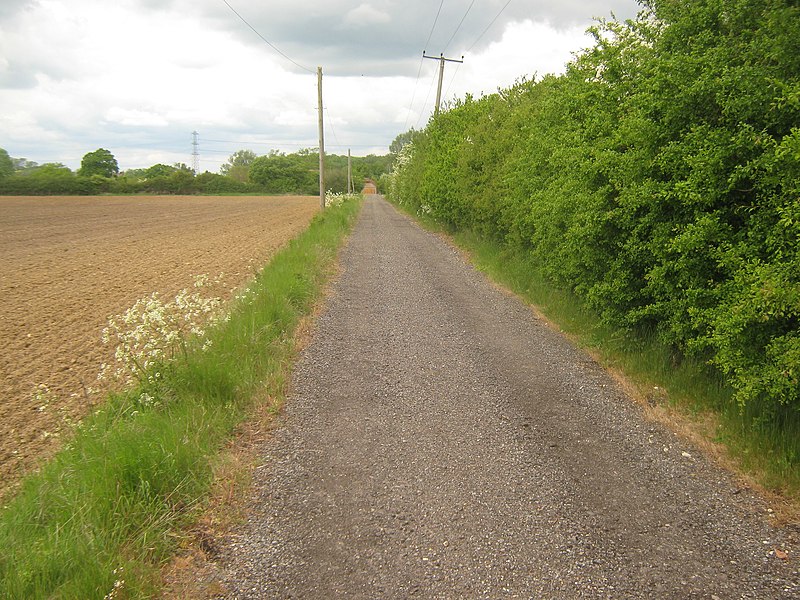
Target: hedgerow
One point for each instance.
(658, 179)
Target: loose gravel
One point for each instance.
(442, 442)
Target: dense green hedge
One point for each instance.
(58, 180)
(658, 178)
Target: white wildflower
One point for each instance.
(154, 331)
(336, 199)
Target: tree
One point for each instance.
(371, 167)
(279, 173)
(181, 181)
(100, 162)
(51, 170)
(53, 178)
(183, 167)
(401, 140)
(158, 170)
(135, 174)
(6, 164)
(23, 164)
(238, 165)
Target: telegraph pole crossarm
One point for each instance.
(441, 60)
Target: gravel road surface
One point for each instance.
(442, 442)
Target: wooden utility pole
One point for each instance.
(349, 173)
(321, 142)
(441, 60)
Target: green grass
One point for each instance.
(765, 445)
(108, 507)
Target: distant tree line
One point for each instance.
(243, 173)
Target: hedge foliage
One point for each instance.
(658, 178)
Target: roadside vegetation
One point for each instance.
(101, 518)
(654, 186)
(243, 173)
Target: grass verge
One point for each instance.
(100, 518)
(764, 448)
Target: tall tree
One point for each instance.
(100, 162)
(238, 165)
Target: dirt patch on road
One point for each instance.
(70, 262)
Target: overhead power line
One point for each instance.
(239, 144)
(489, 26)
(424, 104)
(452, 79)
(441, 60)
(436, 20)
(469, 8)
(333, 131)
(270, 44)
(441, 70)
(258, 143)
(419, 69)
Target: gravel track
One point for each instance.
(442, 442)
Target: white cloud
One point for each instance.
(138, 76)
(525, 49)
(366, 14)
(296, 118)
(135, 118)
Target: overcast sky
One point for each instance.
(138, 76)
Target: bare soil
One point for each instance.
(441, 441)
(71, 262)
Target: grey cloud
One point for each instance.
(25, 54)
(14, 78)
(20, 71)
(9, 8)
(324, 32)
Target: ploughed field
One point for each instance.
(68, 263)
